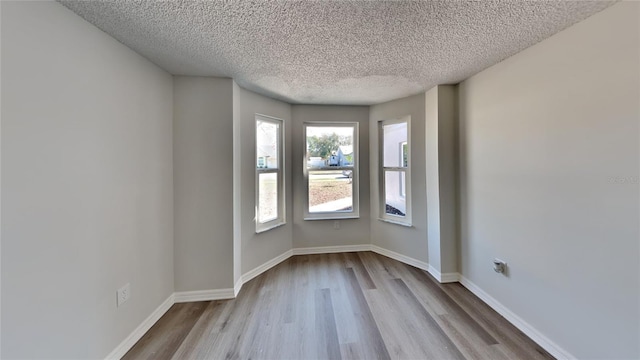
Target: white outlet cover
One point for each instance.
(123, 294)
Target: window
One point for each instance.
(331, 170)
(270, 210)
(395, 171)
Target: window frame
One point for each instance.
(355, 174)
(404, 145)
(382, 214)
(280, 219)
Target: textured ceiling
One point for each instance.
(332, 52)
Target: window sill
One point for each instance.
(332, 217)
(326, 168)
(270, 227)
(396, 222)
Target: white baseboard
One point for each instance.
(142, 329)
(435, 273)
(237, 287)
(402, 258)
(449, 277)
(266, 266)
(219, 294)
(203, 295)
(515, 320)
(331, 249)
(443, 278)
(244, 278)
(249, 275)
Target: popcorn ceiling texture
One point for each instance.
(332, 52)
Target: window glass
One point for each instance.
(269, 169)
(331, 170)
(394, 175)
(268, 197)
(267, 144)
(395, 136)
(329, 191)
(395, 202)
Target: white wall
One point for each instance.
(549, 183)
(321, 232)
(203, 179)
(408, 241)
(256, 249)
(87, 201)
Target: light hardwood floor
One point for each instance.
(338, 306)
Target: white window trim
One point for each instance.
(403, 192)
(281, 218)
(355, 177)
(382, 214)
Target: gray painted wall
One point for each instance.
(409, 241)
(256, 249)
(202, 156)
(87, 185)
(321, 232)
(433, 180)
(448, 177)
(441, 136)
(237, 188)
(549, 183)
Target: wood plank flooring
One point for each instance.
(338, 306)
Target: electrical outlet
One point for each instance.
(336, 224)
(499, 266)
(123, 294)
